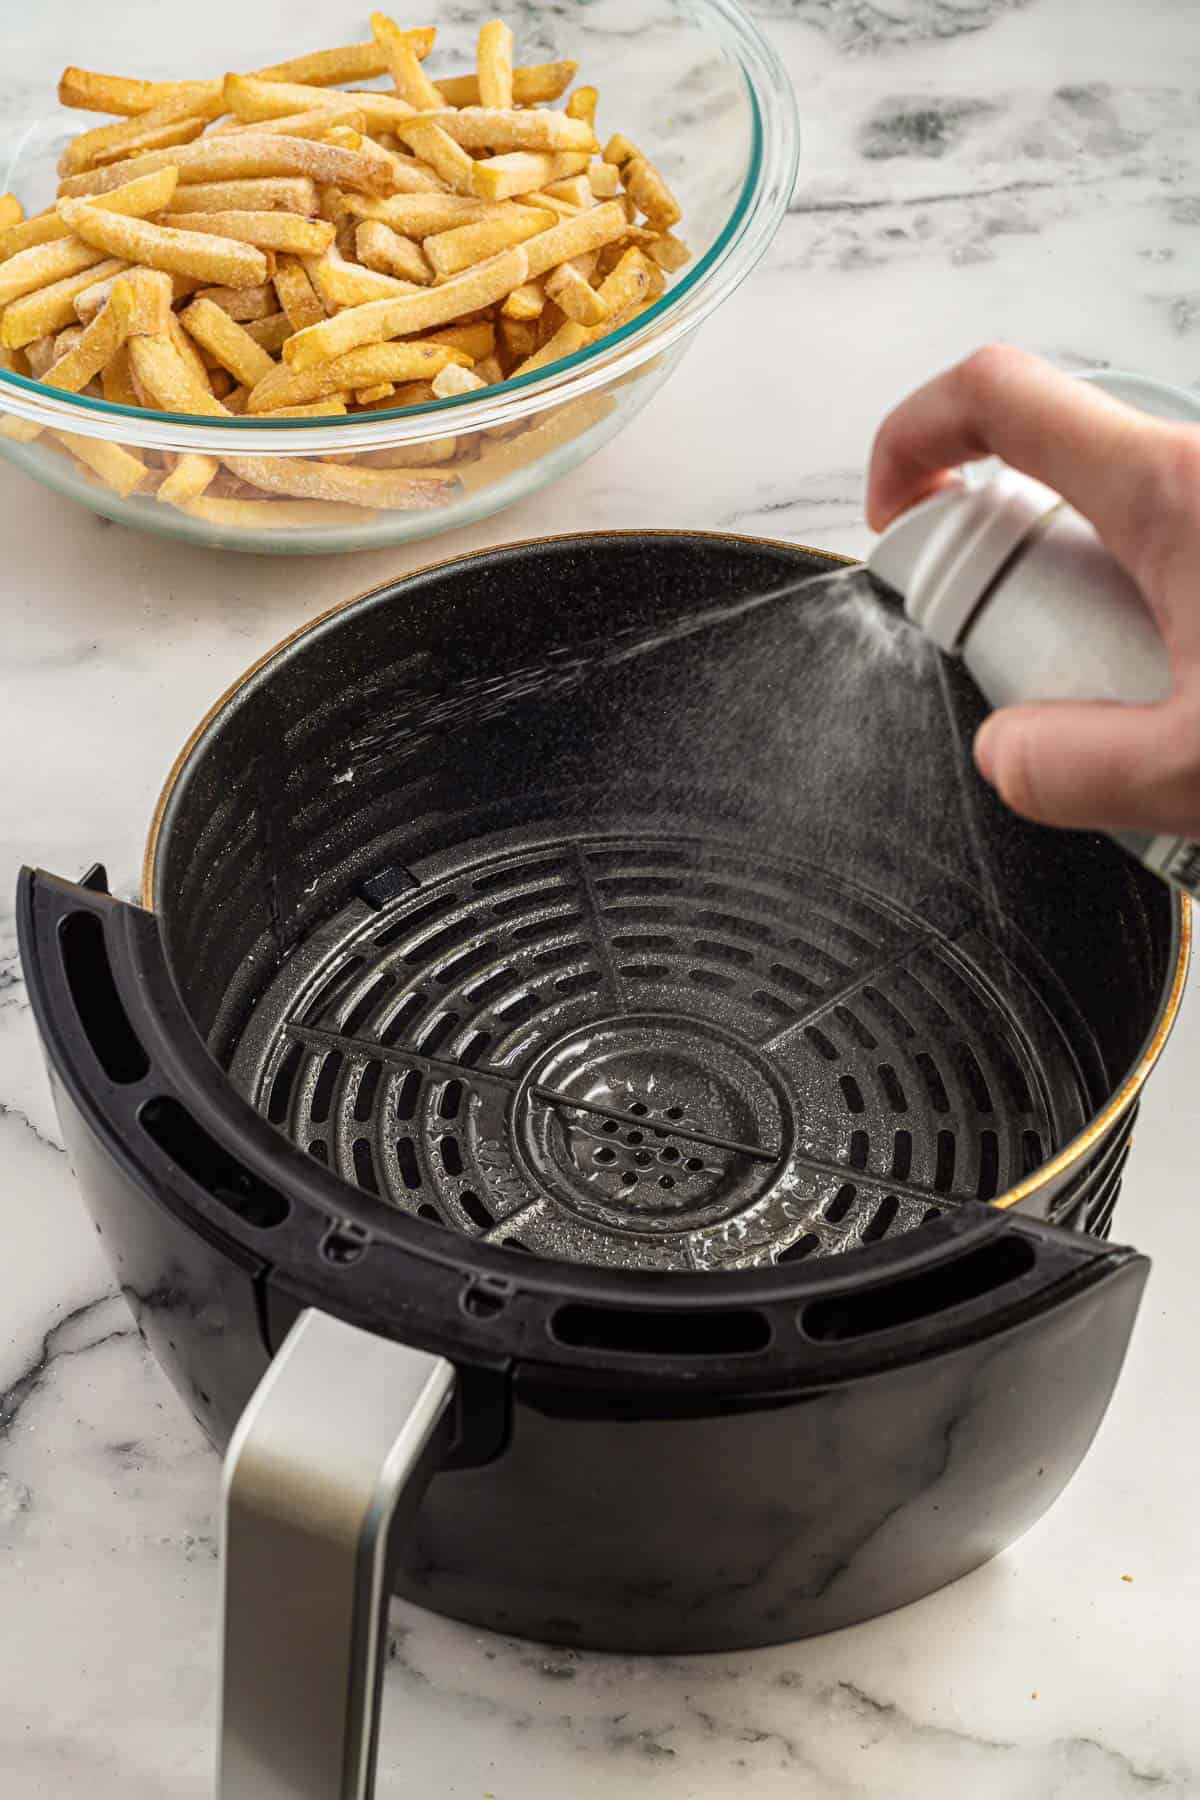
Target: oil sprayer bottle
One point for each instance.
(1010, 578)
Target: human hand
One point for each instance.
(1096, 765)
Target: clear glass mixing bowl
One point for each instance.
(694, 82)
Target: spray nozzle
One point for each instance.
(944, 554)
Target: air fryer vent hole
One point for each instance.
(318, 1110)
(364, 1166)
(99, 1006)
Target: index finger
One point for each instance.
(1096, 452)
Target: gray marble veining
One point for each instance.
(1027, 169)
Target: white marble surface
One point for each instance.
(973, 168)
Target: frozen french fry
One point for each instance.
(351, 62)
(332, 124)
(23, 234)
(214, 259)
(19, 431)
(296, 295)
(582, 105)
(270, 333)
(422, 215)
(349, 137)
(604, 179)
(401, 489)
(91, 92)
(382, 249)
(269, 515)
(341, 284)
(494, 65)
(269, 193)
(409, 173)
(128, 137)
(189, 353)
(569, 338)
(625, 289)
(234, 348)
(575, 191)
(475, 340)
(619, 150)
(489, 371)
(403, 65)
(524, 172)
(167, 379)
(437, 148)
(670, 253)
(562, 209)
(118, 469)
(251, 155)
(48, 309)
(139, 199)
(368, 396)
(267, 230)
(45, 263)
(454, 379)
(410, 313)
(161, 137)
(257, 302)
(251, 99)
(78, 361)
(650, 193)
(11, 210)
(497, 129)
(526, 302)
(576, 296)
(188, 479)
(576, 236)
(532, 85)
(365, 367)
(451, 251)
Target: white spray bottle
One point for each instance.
(1013, 580)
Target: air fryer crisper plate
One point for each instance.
(658, 1052)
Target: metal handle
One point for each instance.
(335, 1448)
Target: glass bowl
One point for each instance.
(693, 82)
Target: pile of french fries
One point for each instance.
(280, 244)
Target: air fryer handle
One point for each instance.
(329, 1460)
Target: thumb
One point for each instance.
(1095, 765)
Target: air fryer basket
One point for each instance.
(588, 1114)
(582, 905)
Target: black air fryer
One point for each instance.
(591, 1028)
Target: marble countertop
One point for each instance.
(1027, 169)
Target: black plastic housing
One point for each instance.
(644, 1462)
